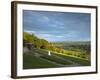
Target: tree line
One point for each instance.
(39, 43)
(44, 44)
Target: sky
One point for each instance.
(57, 26)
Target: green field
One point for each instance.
(35, 62)
(44, 54)
(43, 60)
(79, 49)
(77, 60)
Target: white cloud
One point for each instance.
(29, 31)
(59, 36)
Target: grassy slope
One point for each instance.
(57, 60)
(77, 60)
(35, 62)
(53, 57)
(31, 62)
(76, 48)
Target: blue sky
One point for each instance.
(57, 26)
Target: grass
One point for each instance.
(83, 62)
(30, 62)
(57, 60)
(53, 57)
(44, 61)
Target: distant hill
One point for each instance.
(73, 48)
(73, 42)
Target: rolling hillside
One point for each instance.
(40, 59)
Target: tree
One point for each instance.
(40, 43)
(27, 37)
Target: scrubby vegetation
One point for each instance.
(62, 53)
(77, 49)
(40, 43)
